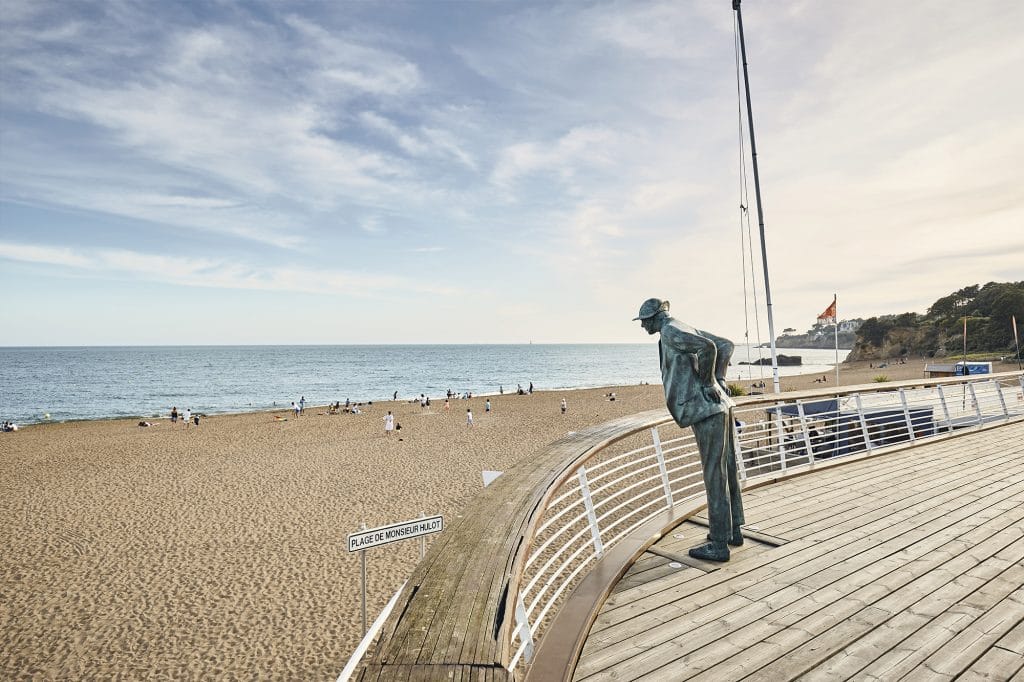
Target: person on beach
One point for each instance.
(565, 406)
(188, 416)
(501, 390)
(174, 415)
(487, 405)
(302, 404)
(469, 417)
(295, 409)
(389, 423)
(423, 401)
(447, 404)
(395, 396)
(530, 389)
(195, 419)
(693, 366)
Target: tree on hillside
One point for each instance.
(998, 329)
(874, 330)
(987, 309)
(948, 310)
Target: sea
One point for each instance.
(40, 384)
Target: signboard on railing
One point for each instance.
(375, 537)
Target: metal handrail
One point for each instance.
(773, 433)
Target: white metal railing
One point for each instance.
(613, 492)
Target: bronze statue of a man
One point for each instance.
(693, 366)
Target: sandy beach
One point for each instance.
(219, 551)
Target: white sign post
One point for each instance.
(368, 538)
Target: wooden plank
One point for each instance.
(803, 646)
(844, 609)
(926, 483)
(883, 513)
(856, 488)
(1013, 640)
(894, 502)
(799, 565)
(994, 664)
(915, 629)
(583, 667)
(958, 654)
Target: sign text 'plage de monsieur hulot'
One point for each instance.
(375, 537)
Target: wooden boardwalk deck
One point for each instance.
(909, 566)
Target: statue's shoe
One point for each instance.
(712, 551)
(736, 540)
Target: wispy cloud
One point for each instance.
(593, 145)
(215, 272)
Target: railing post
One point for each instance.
(807, 435)
(523, 627)
(782, 436)
(1002, 399)
(977, 403)
(737, 449)
(595, 532)
(906, 414)
(945, 408)
(661, 467)
(863, 423)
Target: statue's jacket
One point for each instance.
(693, 365)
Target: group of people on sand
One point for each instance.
(520, 391)
(8, 427)
(348, 408)
(186, 416)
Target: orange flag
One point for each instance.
(829, 315)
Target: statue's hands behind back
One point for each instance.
(711, 392)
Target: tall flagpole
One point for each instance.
(835, 320)
(757, 195)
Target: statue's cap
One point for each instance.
(650, 308)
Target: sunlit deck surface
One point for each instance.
(904, 565)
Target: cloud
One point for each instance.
(593, 146)
(123, 264)
(30, 253)
(251, 115)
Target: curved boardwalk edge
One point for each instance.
(455, 613)
(563, 642)
(456, 618)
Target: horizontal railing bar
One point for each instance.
(594, 479)
(554, 557)
(558, 571)
(659, 499)
(564, 529)
(638, 472)
(565, 510)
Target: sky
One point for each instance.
(495, 172)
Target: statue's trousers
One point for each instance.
(718, 462)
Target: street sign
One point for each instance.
(375, 537)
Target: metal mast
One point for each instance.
(757, 196)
